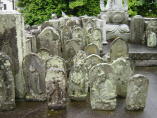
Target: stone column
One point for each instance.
(12, 43)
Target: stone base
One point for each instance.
(114, 31)
(56, 106)
(37, 98)
(78, 98)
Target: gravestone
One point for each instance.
(66, 33)
(49, 38)
(123, 71)
(89, 62)
(119, 48)
(56, 62)
(34, 74)
(12, 41)
(7, 86)
(77, 32)
(102, 87)
(77, 78)
(151, 39)
(92, 49)
(137, 29)
(44, 54)
(56, 88)
(137, 92)
(71, 48)
(97, 38)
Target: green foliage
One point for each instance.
(37, 11)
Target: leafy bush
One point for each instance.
(37, 11)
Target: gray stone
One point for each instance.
(137, 92)
(123, 71)
(12, 41)
(114, 31)
(119, 48)
(77, 89)
(102, 87)
(56, 88)
(49, 38)
(151, 39)
(89, 62)
(92, 49)
(31, 43)
(137, 29)
(56, 62)
(152, 26)
(7, 87)
(34, 74)
(44, 54)
(97, 38)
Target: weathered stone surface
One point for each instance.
(44, 54)
(89, 62)
(97, 38)
(7, 87)
(77, 89)
(92, 49)
(49, 38)
(12, 42)
(137, 29)
(152, 26)
(114, 31)
(56, 62)
(123, 71)
(66, 33)
(71, 48)
(102, 87)
(56, 88)
(77, 32)
(33, 46)
(151, 39)
(137, 92)
(119, 48)
(34, 75)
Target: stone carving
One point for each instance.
(34, 75)
(77, 78)
(50, 39)
(56, 88)
(71, 48)
(137, 92)
(114, 31)
(152, 26)
(7, 87)
(89, 62)
(102, 87)
(32, 45)
(92, 49)
(56, 62)
(66, 33)
(44, 54)
(151, 39)
(123, 71)
(137, 29)
(119, 48)
(97, 38)
(114, 5)
(77, 32)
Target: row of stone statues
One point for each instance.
(48, 79)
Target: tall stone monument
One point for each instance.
(12, 42)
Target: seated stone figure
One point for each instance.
(116, 15)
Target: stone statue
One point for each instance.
(137, 92)
(7, 86)
(56, 88)
(114, 5)
(34, 74)
(102, 87)
(77, 89)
